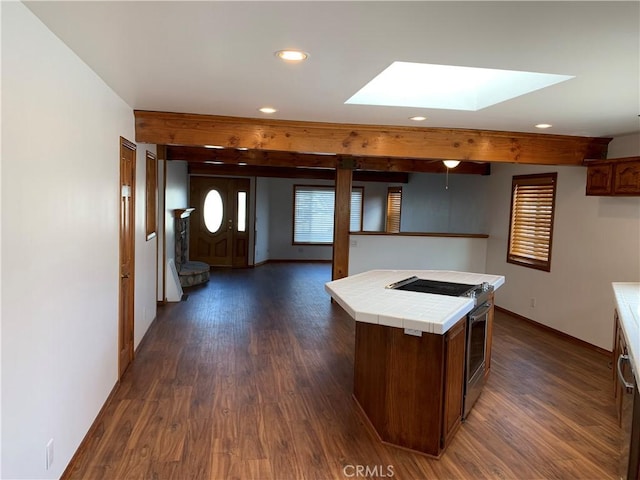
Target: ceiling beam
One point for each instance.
(289, 172)
(261, 158)
(163, 128)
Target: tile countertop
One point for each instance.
(627, 297)
(366, 299)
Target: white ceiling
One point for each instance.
(218, 57)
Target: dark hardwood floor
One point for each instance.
(251, 378)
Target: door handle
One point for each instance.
(124, 275)
(627, 385)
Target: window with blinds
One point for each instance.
(532, 210)
(313, 212)
(394, 206)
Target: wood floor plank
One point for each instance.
(252, 378)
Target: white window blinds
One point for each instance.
(532, 213)
(394, 207)
(314, 211)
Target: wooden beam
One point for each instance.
(165, 128)
(287, 172)
(342, 216)
(232, 156)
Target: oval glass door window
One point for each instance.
(212, 211)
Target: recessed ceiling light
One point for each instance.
(267, 110)
(544, 125)
(292, 55)
(420, 85)
(418, 118)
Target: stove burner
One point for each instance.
(440, 288)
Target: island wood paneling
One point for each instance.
(252, 377)
(365, 140)
(409, 387)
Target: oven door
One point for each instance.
(475, 359)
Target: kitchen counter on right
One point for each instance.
(627, 296)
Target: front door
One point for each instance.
(219, 226)
(127, 253)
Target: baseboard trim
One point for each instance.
(557, 333)
(87, 438)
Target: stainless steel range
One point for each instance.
(477, 320)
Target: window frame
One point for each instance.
(535, 180)
(391, 191)
(332, 188)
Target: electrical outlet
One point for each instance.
(49, 453)
(533, 303)
(354, 243)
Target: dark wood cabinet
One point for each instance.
(600, 179)
(619, 348)
(409, 387)
(620, 176)
(626, 178)
(453, 381)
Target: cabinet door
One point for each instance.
(599, 179)
(455, 341)
(626, 178)
(620, 348)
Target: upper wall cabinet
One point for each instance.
(616, 176)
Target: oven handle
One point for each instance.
(479, 312)
(627, 385)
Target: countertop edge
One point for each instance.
(361, 311)
(630, 328)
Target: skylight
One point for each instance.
(420, 85)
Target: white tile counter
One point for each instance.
(627, 297)
(366, 299)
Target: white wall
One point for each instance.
(368, 252)
(145, 253)
(175, 197)
(375, 206)
(281, 223)
(262, 220)
(624, 146)
(60, 201)
(161, 233)
(428, 206)
(596, 241)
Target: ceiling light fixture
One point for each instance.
(543, 125)
(418, 118)
(451, 163)
(267, 110)
(292, 55)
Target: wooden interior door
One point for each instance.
(127, 253)
(219, 238)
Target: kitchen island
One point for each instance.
(626, 374)
(411, 354)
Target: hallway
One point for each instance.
(251, 378)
